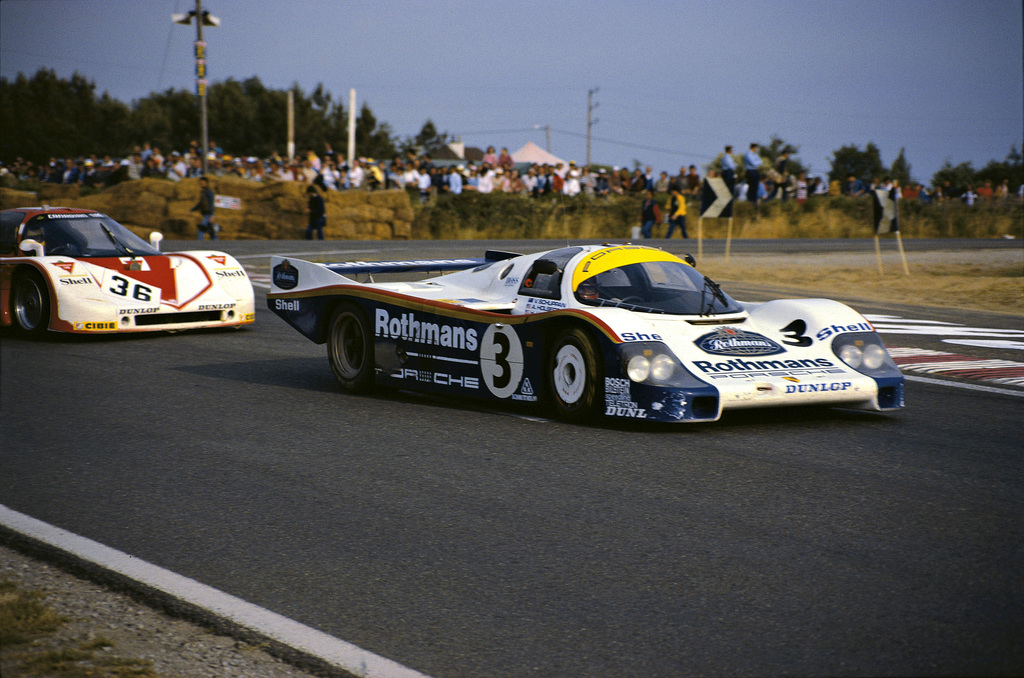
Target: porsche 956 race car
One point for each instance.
(622, 331)
(76, 270)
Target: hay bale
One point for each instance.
(237, 187)
(180, 228)
(402, 229)
(339, 230)
(53, 194)
(10, 197)
(161, 187)
(187, 190)
(260, 227)
(147, 210)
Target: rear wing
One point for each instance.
(417, 265)
(288, 274)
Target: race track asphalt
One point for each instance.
(462, 540)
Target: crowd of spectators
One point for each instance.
(493, 173)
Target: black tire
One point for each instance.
(350, 348)
(30, 303)
(575, 377)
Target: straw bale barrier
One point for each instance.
(268, 211)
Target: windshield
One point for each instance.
(85, 235)
(656, 287)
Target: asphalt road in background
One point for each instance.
(461, 540)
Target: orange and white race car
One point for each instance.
(77, 270)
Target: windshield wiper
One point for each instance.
(113, 238)
(716, 293)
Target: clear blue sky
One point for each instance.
(677, 80)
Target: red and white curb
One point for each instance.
(926, 361)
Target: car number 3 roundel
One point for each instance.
(501, 360)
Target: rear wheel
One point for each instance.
(575, 376)
(350, 348)
(30, 302)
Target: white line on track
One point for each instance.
(332, 651)
(969, 387)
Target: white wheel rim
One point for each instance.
(570, 377)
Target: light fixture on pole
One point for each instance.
(205, 19)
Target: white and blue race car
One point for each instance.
(622, 331)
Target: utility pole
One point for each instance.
(202, 19)
(590, 123)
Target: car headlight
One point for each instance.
(874, 356)
(864, 352)
(638, 368)
(851, 355)
(662, 367)
(653, 363)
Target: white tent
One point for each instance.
(534, 154)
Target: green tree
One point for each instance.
(45, 116)
(427, 141)
(373, 140)
(851, 161)
(774, 150)
(900, 170)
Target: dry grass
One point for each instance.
(26, 623)
(991, 280)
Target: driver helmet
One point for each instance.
(587, 290)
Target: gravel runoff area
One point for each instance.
(178, 648)
(175, 648)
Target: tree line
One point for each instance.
(45, 116)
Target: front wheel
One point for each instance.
(350, 349)
(575, 376)
(31, 303)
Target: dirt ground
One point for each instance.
(991, 280)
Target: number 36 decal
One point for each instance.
(124, 287)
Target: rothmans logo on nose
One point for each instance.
(733, 341)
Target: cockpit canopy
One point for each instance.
(84, 235)
(648, 281)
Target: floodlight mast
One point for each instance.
(202, 19)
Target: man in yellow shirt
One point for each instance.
(676, 212)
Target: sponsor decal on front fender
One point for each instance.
(618, 402)
(841, 329)
(285, 275)
(819, 388)
(95, 326)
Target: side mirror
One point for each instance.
(32, 248)
(154, 239)
(545, 267)
(690, 260)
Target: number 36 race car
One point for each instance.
(622, 331)
(74, 270)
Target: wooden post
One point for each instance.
(878, 254)
(728, 240)
(700, 240)
(899, 242)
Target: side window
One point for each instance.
(543, 280)
(9, 222)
